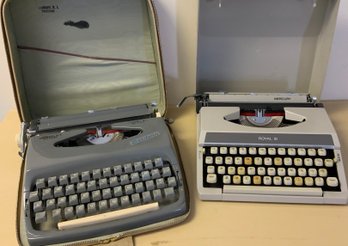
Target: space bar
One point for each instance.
(108, 216)
(272, 190)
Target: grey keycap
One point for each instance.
(91, 208)
(166, 172)
(128, 167)
(160, 184)
(150, 185)
(61, 202)
(171, 181)
(96, 174)
(124, 179)
(57, 215)
(50, 204)
(69, 213)
(106, 172)
(138, 166)
(69, 189)
(73, 200)
(169, 193)
(80, 210)
(128, 189)
(106, 193)
(96, 196)
(38, 206)
(113, 181)
(157, 195)
(113, 203)
(146, 197)
(103, 183)
(34, 196)
(58, 191)
(148, 164)
(134, 177)
(158, 162)
(145, 175)
(74, 178)
(85, 198)
(91, 185)
(52, 181)
(139, 187)
(47, 194)
(81, 187)
(125, 201)
(135, 199)
(118, 191)
(155, 174)
(40, 183)
(63, 179)
(103, 205)
(118, 170)
(40, 217)
(85, 176)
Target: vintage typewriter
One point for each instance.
(262, 134)
(99, 159)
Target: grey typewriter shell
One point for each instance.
(62, 70)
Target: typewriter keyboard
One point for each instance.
(100, 195)
(270, 169)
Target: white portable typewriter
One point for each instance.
(262, 135)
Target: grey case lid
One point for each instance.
(72, 56)
(268, 46)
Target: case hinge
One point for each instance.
(22, 139)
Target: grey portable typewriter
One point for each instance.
(99, 161)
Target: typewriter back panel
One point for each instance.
(267, 46)
(69, 57)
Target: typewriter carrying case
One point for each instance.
(83, 63)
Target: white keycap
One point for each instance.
(322, 152)
(322, 172)
(268, 161)
(312, 172)
(218, 160)
(252, 151)
(272, 151)
(281, 171)
(271, 171)
(237, 179)
(277, 180)
(318, 162)
(287, 161)
(319, 181)
(261, 171)
(301, 152)
(213, 150)
(223, 150)
(241, 170)
(233, 150)
(242, 151)
(288, 181)
(246, 180)
(281, 151)
(210, 169)
(211, 178)
(292, 151)
(312, 152)
(332, 181)
(221, 170)
(329, 163)
(228, 160)
(226, 179)
(308, 162)
(298, 162)
(267, 180)
(238, 160)
(302, 172)
(291, 171)
(231, 170)
(251, 171)
(309, 181)
(258, 161)
(209, 160)
(262, 151)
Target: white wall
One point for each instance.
(178, 31)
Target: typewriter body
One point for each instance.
(262, 133)
(99, 160)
